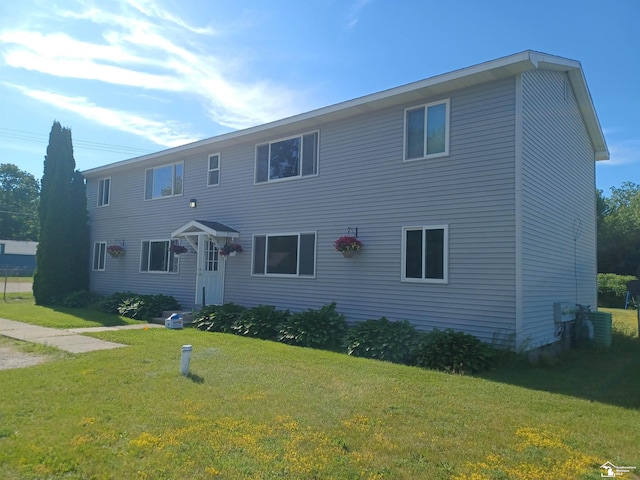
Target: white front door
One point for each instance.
(210, 276)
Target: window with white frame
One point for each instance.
(156, 257)
(426, 130)
(104, 192)
(285, 254)
(213, 177)
(211, 257)
(99, 255)
(425, 252)
(164, 181)
(292, 157)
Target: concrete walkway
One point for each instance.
(69, 340)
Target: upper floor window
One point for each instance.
(214, 170)
(287, 158)
(425, 252)
(426, 131)
(157, 257)
(99, 255)
(104, 192)
(165, 181)
(285, 254)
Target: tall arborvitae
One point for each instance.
(63, 250)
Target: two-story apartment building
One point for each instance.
(472, 191)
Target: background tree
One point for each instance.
(619, 230)
(19, 196)
(63, 251)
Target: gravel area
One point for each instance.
(11, 357)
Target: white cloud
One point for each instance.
(143, 46)
(162, 132)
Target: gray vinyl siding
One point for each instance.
(558, 204)
(362, 182)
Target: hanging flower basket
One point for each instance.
(115, 251)
(347, 245)
(230, 249)
(178, 249)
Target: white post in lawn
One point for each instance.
(186, 358)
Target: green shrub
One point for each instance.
(612, 289)
(218, 318)
(383, 340)
(140, 307)
(81, 299)
(324, 328)
(260, 322)
(111, 303)
(454, 352)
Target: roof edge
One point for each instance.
(493, 69)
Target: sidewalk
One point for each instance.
(69, 340)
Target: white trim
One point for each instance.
(176, 258)
(209, 170)
(287, 234)
(445, 255)
(519, 223)
(194, 227)
(173, 181)
(102, 253)
(284, 139)
(99, 196)
(447, 126)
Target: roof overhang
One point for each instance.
(439, 85)
(203, 227)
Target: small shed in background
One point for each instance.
(17, 257)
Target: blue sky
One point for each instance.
(135, 77)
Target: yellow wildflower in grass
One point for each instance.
(539, 453)
(359, 423)
(87, 421)
(212, 471)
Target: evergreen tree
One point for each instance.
(62, 256)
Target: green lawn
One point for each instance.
(253, 409)
(21, 307)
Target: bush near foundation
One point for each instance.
(324, 328)
(262, 322)
(219, 318)
(453, 352)
(140, 307)
(383, 340)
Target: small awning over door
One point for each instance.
(196, 227)
(191, 230)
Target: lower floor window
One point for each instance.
(425, 254)
(289, 254)
(156, 256)
(99, 255)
